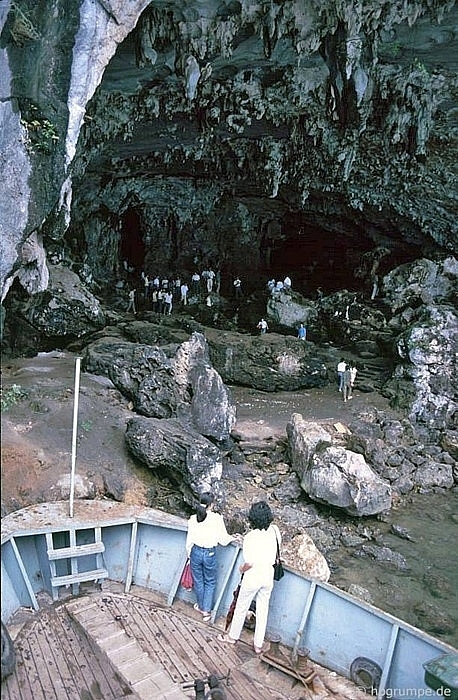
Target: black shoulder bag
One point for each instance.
(278, 566)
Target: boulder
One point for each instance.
(161, 384)
(212, 409)
(289, 310)
(184, 456)
(334, 475)
(142, 373)
(383, 555)
(269, 362)
(309, 559)
(421, 281)
(434, 474)
(304, 438)
(66, 310)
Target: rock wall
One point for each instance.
(235, 113)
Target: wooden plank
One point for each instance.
(158, 646)
(84, 675)
(25, 674)
(74, 564)
(80, 550)
(93, 575)
(94, 667)
(189, 660)
(190, 642)
(44, 667)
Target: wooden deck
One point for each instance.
(107, 645)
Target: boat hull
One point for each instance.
(46, 550)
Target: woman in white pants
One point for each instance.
(259, 553)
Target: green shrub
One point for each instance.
(11, 396)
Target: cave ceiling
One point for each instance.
(300, 127)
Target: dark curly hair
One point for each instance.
(260, 515)
(206, 499)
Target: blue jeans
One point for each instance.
(203, 566)
(341, 378)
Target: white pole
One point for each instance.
(75, 431)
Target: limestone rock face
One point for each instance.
(423, 281)
(212, 408)
(332, 474)
(242, 115)
(66, 309)
(142, 373)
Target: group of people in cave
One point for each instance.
(160, 294)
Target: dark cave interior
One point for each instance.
(325, 245)
(313, 257)
(132, 243)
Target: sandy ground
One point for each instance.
(38, 442)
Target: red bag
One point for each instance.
(186, 577)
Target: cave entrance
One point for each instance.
(132, 246)
(317, 258)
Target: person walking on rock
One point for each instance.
(131, 304)
(262, 326)
(353, 373)
(184, 289)
(302, 332)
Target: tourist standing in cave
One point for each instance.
(302, 332)
(259, 554)
(287, 284)
(271, 285)
(176, 287)
(341, 367)
(131, 304)
(210, 280)
(184, 289)
(238, 288)
(353, 373)
(154, 300)
(167, 303)
(195, 283)
(160, 301)
(346, 384)
(206, 530)
(145, 287)
(262, 326)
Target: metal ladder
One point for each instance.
(72, 555)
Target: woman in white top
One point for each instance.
(259, 553)
(206, 530)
